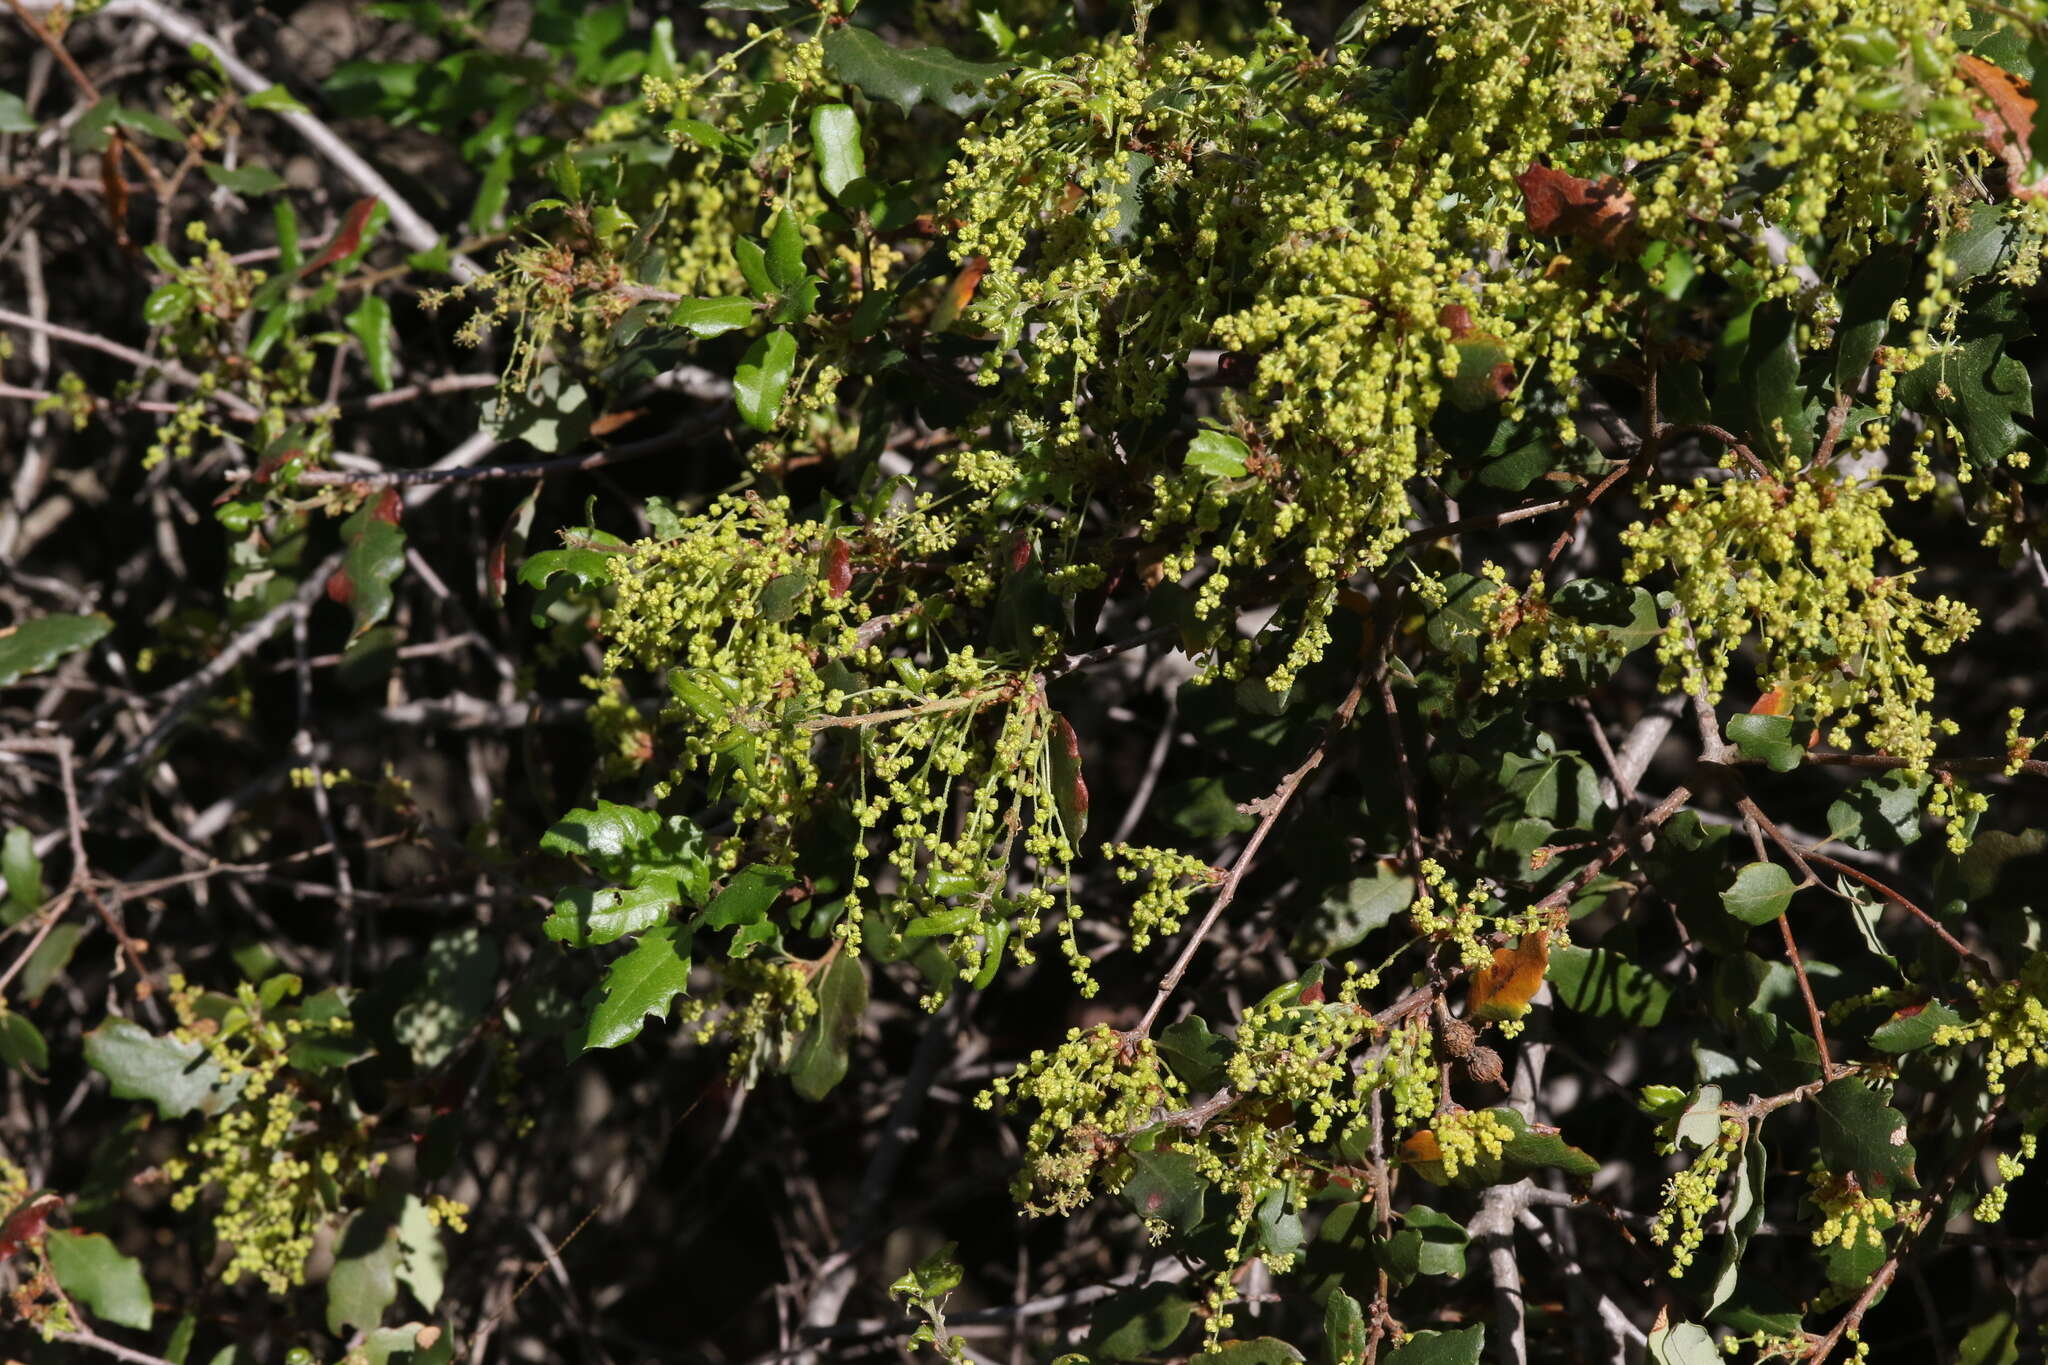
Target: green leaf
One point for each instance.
(22, 870)
(1260, 1351)
(1281, 1232)
(31, 646)
(1195, 1054)
(835, 141)
(643, 982)
(166, 304)
(1996, 1340)
(1166, 1186)
(1861, 1135)
(753, 263)
(1913, 1027)
(1880, 813)
(1596, 981)
(1138, 1322)
(820, 1060)
(1768, 739)
(1760, 894)
(48, 962)
(583, 918)
(275, 99)
(747, 896)
(423, 1261)
(712, 317)
(1428, 1243)
(178, 1078)
(364, 1280)
(785, 251)
(904, 76)
(554, 415)
(373, 555)
(1440, 1348)
(1069, 788)
(245, 179)
(459, 980)
(371, 325)
(608, 836)
(1218, 454)
(1745, 1216)
(1975, 383)
(1533, 1147)
(14, 114)
(1348, 913)
(1866, 313)
(590, 568)
(1686, 1343)
(93, 1273)
(21, 1044)
(1774, 403)
(763, 377)
(1343, 1327)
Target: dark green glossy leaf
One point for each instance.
(1767, 739)
(763, 378)
(835, 142)
(821, 1054)
(1595, 981)
(1164, 1185)
(747, 897)
(645, 981)
(31, 646)
(1350, 912)
(712, 317)
(1863, 1136)
(371, 325)
(373, 555)
(1138, 1322)
(1461, 1347)
(1195, 1054)
(905, 76)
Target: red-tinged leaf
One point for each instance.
(1070, 792)
(1600, 212)
(959, 293)
(1504, 987)
(1771, 703)
(346, 239)
(116, 187)
(26, 1223)
(1020, 554)
(1458, 318)
(838, 566)
(373, 553)
(510, 544)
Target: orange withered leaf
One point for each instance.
(1771, 703)
(1504, 987)
(2009, 121)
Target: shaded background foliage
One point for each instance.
(636, 1203)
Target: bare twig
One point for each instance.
(412, 229)
(1268, 809)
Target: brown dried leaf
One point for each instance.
(1602, 212)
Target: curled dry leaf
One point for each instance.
(1600, 212)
